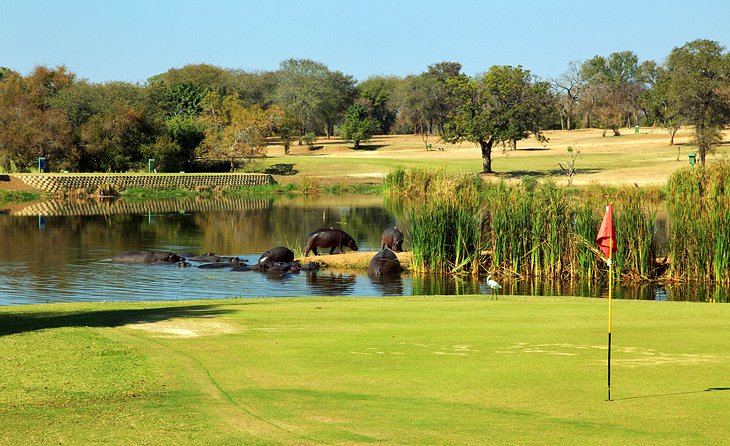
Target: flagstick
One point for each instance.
(610, 280)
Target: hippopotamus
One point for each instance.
(278, 254)
(384, 263)
(218, 265)
(148, 257)
(212, 258)
(392, 238)
(329, 238)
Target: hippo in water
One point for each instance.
(278, 254)
(329, 238)
(148, 257)
(392, 238)
(384, 263)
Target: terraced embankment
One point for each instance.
(63, 183)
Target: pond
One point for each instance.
(61, 251)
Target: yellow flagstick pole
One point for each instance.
(610, 280)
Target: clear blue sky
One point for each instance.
(131, 40)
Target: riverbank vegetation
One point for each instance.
(7, 196)
(241, 372)
(541, 230)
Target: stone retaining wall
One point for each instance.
(61, 183)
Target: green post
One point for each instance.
(692, 158)
(150, 165)
(636, 129)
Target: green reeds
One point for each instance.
(458, 226)
(445, 236)
(634, 225)
(699, 223)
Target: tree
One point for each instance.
(660, 107)
(698, 76)
(285, 126)
(423, 99)
(232, 130)
(612, 89)
(357, 126)
(377, 95)
(568, 88)
(112, 141)
(317, 96)
(503, 105)
(29, 126)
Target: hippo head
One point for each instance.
(398, 242)
(351, 244)
(171, 257)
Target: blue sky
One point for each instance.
(131, 40)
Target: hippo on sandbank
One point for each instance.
(392, 238)
(329, 238)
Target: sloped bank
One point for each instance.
(63, 183)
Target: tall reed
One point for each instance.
(699, 224)
(460, 226)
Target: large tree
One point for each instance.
(377, 94)
(699, 73)
(568, 87)
(661, 108)
(234, 131)
(29, 126)
(317, 96)
(504, 105)
(357, 126)
(613, 88)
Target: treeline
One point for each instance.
(202, 112)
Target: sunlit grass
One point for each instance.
(468, 370)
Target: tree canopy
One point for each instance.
(205, 112)
(503, 105)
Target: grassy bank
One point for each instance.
(432, 370)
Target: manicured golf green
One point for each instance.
(431, 370)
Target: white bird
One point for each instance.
(492, 284)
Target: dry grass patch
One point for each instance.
(355, 260)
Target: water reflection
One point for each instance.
(61, 251)
(388, 285)
(331, 284)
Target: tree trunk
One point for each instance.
(672, 132)
(486, 147)
(357, 144)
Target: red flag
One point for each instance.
(606, 238)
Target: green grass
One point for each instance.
(7, 196)
(427, 370)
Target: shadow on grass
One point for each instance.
(281, 169)
(516, 174)
(370, 147)
(12, 323)
(709, 389)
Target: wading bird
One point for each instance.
(492, 284)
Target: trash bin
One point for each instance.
(692, 157)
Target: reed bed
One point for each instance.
(699, 223)
(458, 226)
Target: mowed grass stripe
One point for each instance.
(420, 370)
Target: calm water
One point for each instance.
(61, 251)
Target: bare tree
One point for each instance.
(568, 88)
